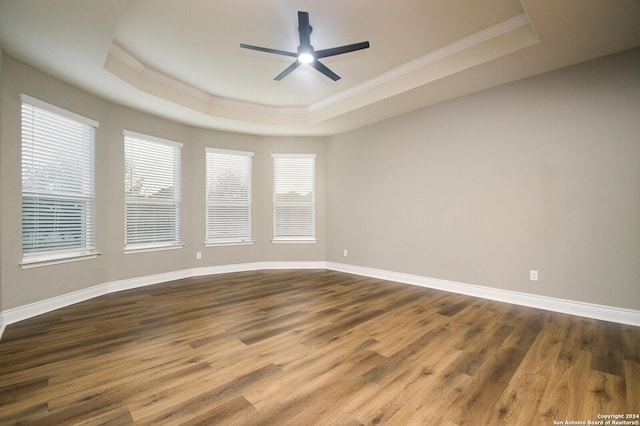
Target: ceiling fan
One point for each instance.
(306, 54)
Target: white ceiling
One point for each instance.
(182, 60)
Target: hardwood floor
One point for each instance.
(312, 347)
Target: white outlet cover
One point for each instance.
(533, 275)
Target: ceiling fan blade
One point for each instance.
(268, 50)
(324, 70)
(342, 49)
(306, 52)
(304, 29)
(287, 71)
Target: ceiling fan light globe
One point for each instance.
(305, 58)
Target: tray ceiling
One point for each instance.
(182, 60)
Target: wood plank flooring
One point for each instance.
(312, 348)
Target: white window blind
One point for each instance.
(152, 192)
(228, 196)
(293, 197)
(58, 208)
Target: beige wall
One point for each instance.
(19, 287)
(1, 185)
(540, 174)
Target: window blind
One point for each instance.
(293, 197)
(228, 196)
(152, 191)
(58, 189)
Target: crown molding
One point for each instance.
(498, 40)
(147, 72)
(437, 55)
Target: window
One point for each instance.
(58, 201)
(228, 196)
(152, 192)
(294, 197)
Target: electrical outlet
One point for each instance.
(198, 255)
(345, 253)
(533, 275)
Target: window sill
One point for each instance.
(294, 241)
(56, 259)
(228, 243)
(151, 248)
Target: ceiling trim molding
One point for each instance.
(424, 61)
(152, 73)
(431, 67)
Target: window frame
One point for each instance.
(211, 241)
(175, 202)
(275, 203)
(83, 188)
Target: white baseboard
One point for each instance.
(588, 310)
(38, 308)
(31, 310)
(256, 266)
(131, 283)
(2, 324)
